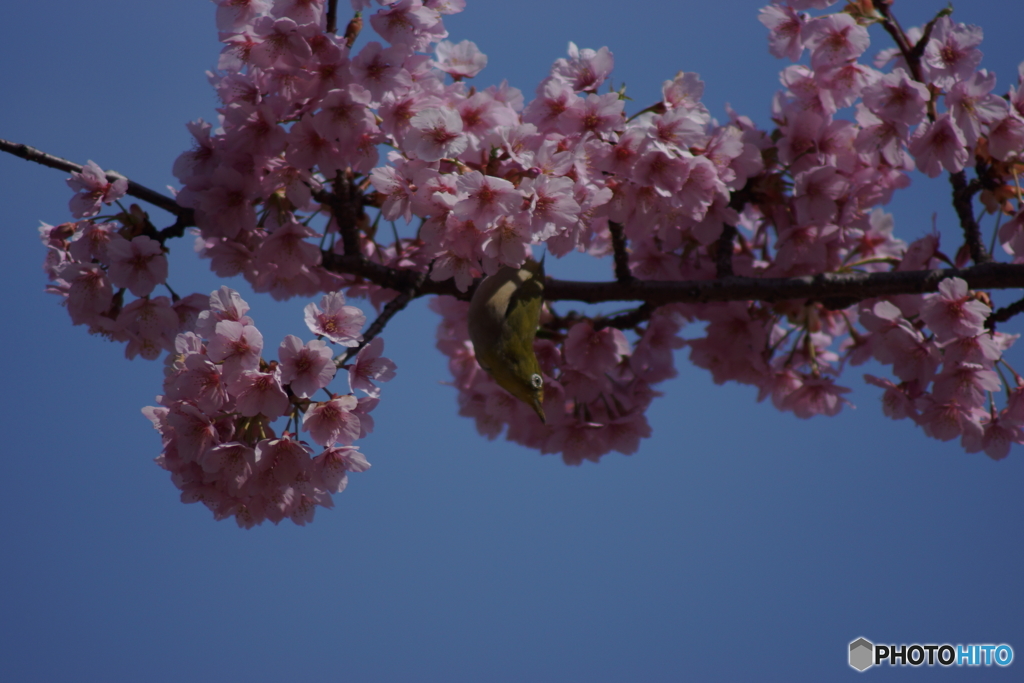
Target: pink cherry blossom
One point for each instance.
(594, 351)
(330, 469)
(953, 312)
(784, 25)
(834, 39)
(333, 421)
(152, 324)
(951, 54)
(370, 366)
(93, 189)
(305, 368)
(259, 393)
(585, 69)
(486, 198)
(897, 97)
(336, 321)
(972, 105)
(939, 144)
(139, 265)
(461, 60)
(436, 134)
(237, 346)
(89, 292)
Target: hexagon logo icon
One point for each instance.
(862, 654)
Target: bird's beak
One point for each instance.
(539, 409)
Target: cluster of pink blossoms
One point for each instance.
(489, 176)
(221, 398)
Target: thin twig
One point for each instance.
(627, 320)
(963, 194)
(723, 249)
(390, 309)
(136, 190)
(1003, 314)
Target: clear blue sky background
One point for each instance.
(738, 543)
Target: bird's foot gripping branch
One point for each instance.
(769, 244)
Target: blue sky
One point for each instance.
(738, 543)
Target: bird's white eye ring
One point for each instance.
(536, 381)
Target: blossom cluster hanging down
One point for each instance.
(318, 143)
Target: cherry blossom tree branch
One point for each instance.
(332, 16)
(622, 271)
(392, 308)
(1005, 313)
(963, 195)
(136, 190)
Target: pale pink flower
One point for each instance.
(683, 92)
(652, 360)
(996, 440)
(595, 114)
(834, 39)
(338, 322)
(312, 144)
(153, 325)
(330, 469)
(200, 383)
(506, 241)
(234, 15)
(816, 193)
(946, 421)
(965, 383)
(585, 69)
(953, 312)
(94, 189)
(552, 205)
(302, 11)
(379, 69)
(486, 198)
(897, 97)
(898, 400)
(237, 346)
(784, 25)
(408, 22)
(939, 144)
(89, 292)
(445, 6)
(461, 60)
(553, 98)
(333, 421)
(281, 38)
(972, 105)
(307, 369)
(951, 53)
(370, 366)
(259, 393)
(435, 134)
(815, 396)
(1006, 137)
(91, 243)
(193, 431)
(139, 265)
(225, 304)
(594, 351)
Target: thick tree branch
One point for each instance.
(332, 16)
(142, 192)
(622, 272)
(847, 287)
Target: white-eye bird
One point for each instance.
(503, 318)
